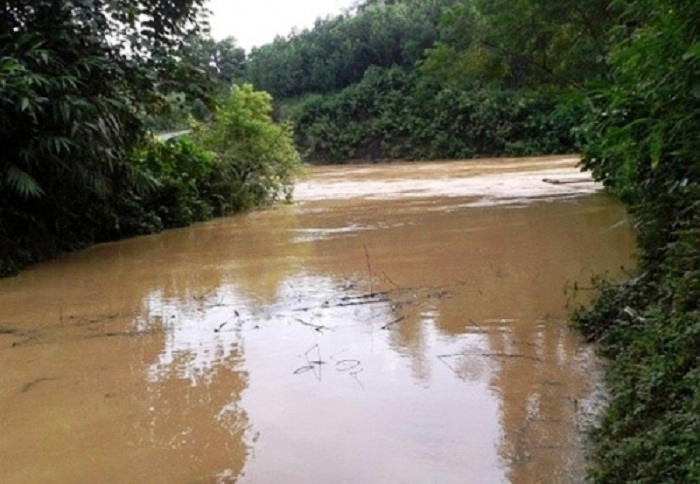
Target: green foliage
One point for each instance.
(75, 78)
(219, 63)
(650, 329)
(643, 144)
(222, 58)
(182, 170)
(500, 78)
(397, 114)
(256, 155)
(79, 83)
(337, 51)
(525, 43)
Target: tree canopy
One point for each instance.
(337, 51)
(81, 83)
(74, 78)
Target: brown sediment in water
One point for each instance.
(398, 323)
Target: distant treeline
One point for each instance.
(417, 79)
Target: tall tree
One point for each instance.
(523, 43)
(76, 77)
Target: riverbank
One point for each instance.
(649, 329)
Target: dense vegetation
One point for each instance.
(362, 87)
(644, 144)
(393, 113)
(80, 83)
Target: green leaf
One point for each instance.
(22, 183)
(693, 51)
(656, 146)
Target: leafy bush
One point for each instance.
(643, 144)
(239, 161)
(255, 158)
(180, 167)
(74, 79)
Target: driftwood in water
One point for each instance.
(554, 181)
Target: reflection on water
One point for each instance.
(399, 323)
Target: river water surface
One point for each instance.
(397, 323)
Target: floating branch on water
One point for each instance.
(347, 365)
(221, 326)
(369, 270)
(316, 327)
(398, 298)
(28, 338)
(390, 281)
(312, 365)
(125, 334)
(442, 358)
(508, 355)
(81, 321)
(34, 383)
(569, 181)
(201, 297)
(396, 321)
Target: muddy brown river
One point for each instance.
(399, 323)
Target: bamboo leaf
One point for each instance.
(22, 183)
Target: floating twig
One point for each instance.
(396, 321)
(315, 327)
(34, 383)
(390, 281)
(369, 270)
(347, 365)
(553, 181)
(221, 326)
(312, 365)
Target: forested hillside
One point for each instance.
(433, 79)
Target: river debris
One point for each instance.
(24, 336)
(312, 365)
(447, 357)
(316, 327)
(396, 321)
(566, 181)
(349, 366)
(29, 386)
